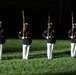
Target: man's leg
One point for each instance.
(75, 51)
(49, 50)
(52, 46)
(0, 51)
(24, 51)
(72, 49)
(28, 47)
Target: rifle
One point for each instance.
(23, 23)
(48, 25)
(72, 24)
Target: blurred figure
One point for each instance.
(2, 39)
(49, 34)
(26, 40)
(72, 35)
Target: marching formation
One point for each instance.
(48, 34)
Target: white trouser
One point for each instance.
(0, 51)
(73, 49)
(25, 51)
(50, 47)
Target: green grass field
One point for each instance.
(37, 64)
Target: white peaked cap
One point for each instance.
(51, 23)
(75, 24)
(26, 23)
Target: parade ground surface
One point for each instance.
(37, 64)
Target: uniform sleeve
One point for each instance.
(2, 37)
(1, 33)
(69, 33)
(44, 34)
(20, 35)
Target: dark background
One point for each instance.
(36, 14)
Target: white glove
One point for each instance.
(71, 36)
(47, 37)
(22, 37)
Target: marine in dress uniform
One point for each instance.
(73, 40)
(2, 40)
(26, 41)
(50, 40)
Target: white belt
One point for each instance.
(50, 37)
(27, 37)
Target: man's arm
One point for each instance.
(44, 34)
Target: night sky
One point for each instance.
(36, 14)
